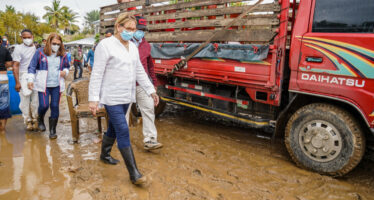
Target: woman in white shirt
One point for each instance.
(116, 70)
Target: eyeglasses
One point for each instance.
(56, 44)
(130, 29)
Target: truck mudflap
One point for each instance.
(253, 122)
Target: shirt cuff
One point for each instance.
(30, 78)
(94, 98)
(66, 70)
(150, 91)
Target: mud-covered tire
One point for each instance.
(307, 130)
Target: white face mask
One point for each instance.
(55, 48)
(27, 42)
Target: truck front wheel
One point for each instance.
(324, 138)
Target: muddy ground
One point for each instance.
(202, 159)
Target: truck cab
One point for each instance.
(332, 69)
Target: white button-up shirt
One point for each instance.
(115, 73)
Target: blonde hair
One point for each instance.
(123, 19)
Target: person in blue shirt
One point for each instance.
(68, 55)
(90, 57)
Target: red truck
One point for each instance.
(315, 87)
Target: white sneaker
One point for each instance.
(29, 126)
(152, 145)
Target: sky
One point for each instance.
(37, 6)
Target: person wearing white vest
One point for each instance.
(22, 56)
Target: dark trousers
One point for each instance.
(44, 103)
(118, 127)
(76, 66)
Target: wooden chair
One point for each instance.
(80, 108)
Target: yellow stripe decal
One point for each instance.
(215, 112)
(333, 58)
(336, 49)
(340, 43)
(256, 62)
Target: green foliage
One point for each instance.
(90, 18)
(12, 23)
(97, 38)
(58, 17)
(69, 17)
(78, 37)
(61, 17)
(236, 4)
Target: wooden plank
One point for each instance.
(215, 12)
(204, 13)
(150, 9)
(207, 23)
(194, 3)
(249, 35)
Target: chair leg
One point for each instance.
(100, 128)
(75, 129)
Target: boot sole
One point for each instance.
(140, 181)
(153, 148)
(107, 162)
(53, 137)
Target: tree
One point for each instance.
(61, 17)
(54, 15)
(10, 9)
(69, 17)
(12, 23)
(90, 18)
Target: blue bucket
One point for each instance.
(14, 96)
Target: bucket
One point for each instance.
(14, 96)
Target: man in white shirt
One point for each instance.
(22, 55)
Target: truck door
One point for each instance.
(337, 53)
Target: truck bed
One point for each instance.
(246, 89)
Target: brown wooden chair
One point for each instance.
(78, 90)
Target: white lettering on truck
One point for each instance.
(333, 80)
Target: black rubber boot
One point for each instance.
(41, 124)
(52, 128)
(135, 176)
(106, 148)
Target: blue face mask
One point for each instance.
(127, 35)
(139, 34)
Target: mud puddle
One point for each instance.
(201, 159)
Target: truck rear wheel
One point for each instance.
(324, 138)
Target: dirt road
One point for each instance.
(202, 159)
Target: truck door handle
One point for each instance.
(314, 59)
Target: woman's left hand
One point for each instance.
(62, 74)
(155, 98)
